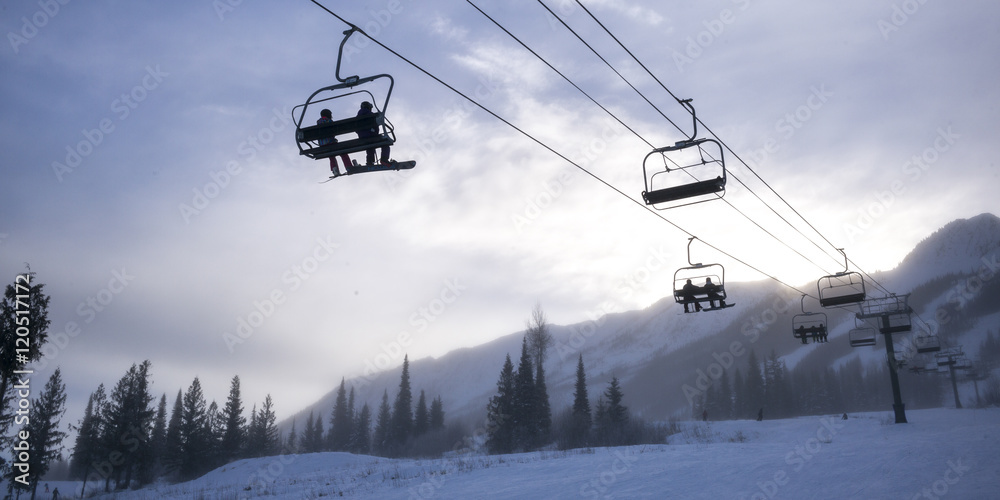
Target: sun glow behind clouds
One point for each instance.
(485, 206)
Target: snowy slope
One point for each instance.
(939, 453)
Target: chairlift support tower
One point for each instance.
(893, 316)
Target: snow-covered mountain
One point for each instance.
(658, 352)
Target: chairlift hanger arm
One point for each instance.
(354, 80)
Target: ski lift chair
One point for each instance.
(693, 171)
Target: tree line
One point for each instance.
(519, 417)
(400, 429)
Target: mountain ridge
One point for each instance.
(646, 348)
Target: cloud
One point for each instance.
(825, 109)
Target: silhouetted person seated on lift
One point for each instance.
(713, 294)
(326, 116)
(688, 292)
(366, 110)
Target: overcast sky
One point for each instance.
(151, 179)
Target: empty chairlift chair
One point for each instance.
(862, 336)
(892, 313)
(843, 288)
(927, 343)
(691, 171)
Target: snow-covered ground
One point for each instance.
(940, 453)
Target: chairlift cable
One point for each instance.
(550, 149)
(665, 88)
(577, 87)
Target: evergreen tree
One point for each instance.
(353, 415)
(215, 430)
(263, 438)
(158, 438)
(617, 416)
(421, 419)
(309, 436)
(601, 424)
(23, 308)
(233, 437)
(740, 406)
(402, 412)
(500, 413)
(539, 341)
(44, 437)
(193, 431)
(579, 432)
(724, 398)
(174, 453)
(525, 403)
(341, 421)
(89, 447)
(292, 444)
(437, 414)
(754, 385)
(128, 426)
(362, 440)
(382, 423)
(321, 440)
(776, 391)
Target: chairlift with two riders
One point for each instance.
(320, 141)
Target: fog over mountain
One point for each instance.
(658, 351)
